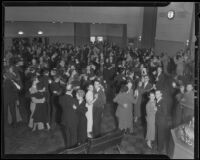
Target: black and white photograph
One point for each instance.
(99, 80)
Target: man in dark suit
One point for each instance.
(160, 79)
(98, 107)
(56, 90)
(19, 70)
(147, 86)
(47, 81)
(12, 87)
(161, 123)
(69, 119)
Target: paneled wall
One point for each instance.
(171, 35)
(57, 32)
(149, 27)
(31, 28)
(82, 33)
(132, 16)
(112, 32)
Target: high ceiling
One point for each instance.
(73, 14)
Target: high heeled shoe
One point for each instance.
(149, 144)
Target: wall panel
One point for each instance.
(171, 35)
(132, 16)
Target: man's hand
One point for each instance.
(173, 84)
(43, 100)
(96, 96)
(17, 102)
(125, 105)
(55, 92)
(74, 107)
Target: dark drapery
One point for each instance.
(124, 35)
(149, 27)
(81, 33)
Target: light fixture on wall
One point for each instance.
(170, 14)
(92, 39)
(140, 38)
(40, 32)
(20, 32)
(100, 39)
(187, 42)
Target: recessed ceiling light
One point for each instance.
(20, 32)
(40, 32)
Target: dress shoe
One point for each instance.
(149, 146)
(90, 135)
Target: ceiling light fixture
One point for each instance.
(40, 32)
(20, 32)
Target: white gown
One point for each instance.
(89, 114)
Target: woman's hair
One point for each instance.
(151, 92)
(39, 86)
(81, 93)
(123, 89)
(90, 84)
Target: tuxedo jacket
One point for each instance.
(101, 100)
(69, 114)
(162, 114)
(147, 88)
(10, 91)
(81, 110)
(161, 81)
(55, 86)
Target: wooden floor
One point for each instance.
(22, 140)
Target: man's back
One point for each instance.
(68, 112)
(101, 100)
(162, 112)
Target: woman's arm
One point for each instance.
(94, 99)
(116, 99)
(32, 90)
(35, 100)
(89, 99)
(132, 99)
(42, 90)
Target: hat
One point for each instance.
(124, 88)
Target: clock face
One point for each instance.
(171, 14)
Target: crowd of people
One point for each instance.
(66, 85)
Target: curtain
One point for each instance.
(81, 33)
(124, 35)
(149, 27)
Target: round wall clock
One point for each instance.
(170, 14)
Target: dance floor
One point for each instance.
(22, 140)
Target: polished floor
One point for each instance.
(22, 140)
